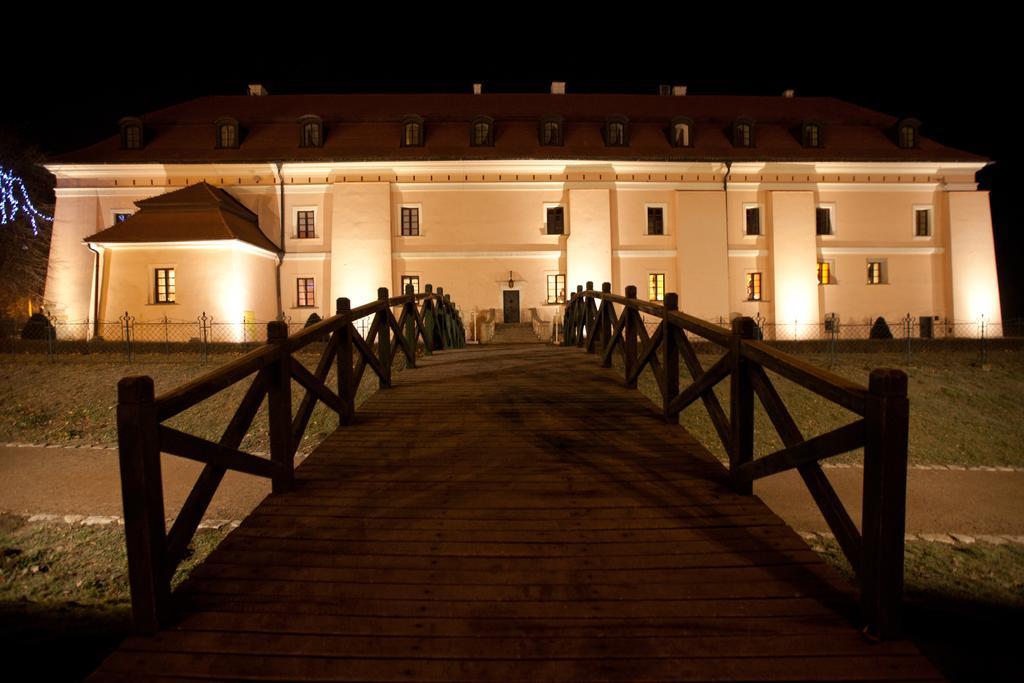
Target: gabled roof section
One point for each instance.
(195, 213)
(368, 128)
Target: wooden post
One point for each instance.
(591, 320)
(605, 324)
(384, 339)
(630, 333)
(410, 326)
(581, 316)
(670, 358)
(279, 409)
(885, 502)
(143, 497)
(429, 321)
(741, 399)
(346, 392)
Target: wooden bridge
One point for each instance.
(515, 514)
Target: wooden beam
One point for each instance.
(366, 352)
(710, 399)
(649, 354)
(315, 386)
(305, 411)
(279, 410)
(346, 390)
(741, 399)
(616, 337)
(827, 445)
(184, 397)
(192, 447)
(670, 360)
(706, 382)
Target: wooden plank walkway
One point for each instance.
(513, 514)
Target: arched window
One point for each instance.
(811, 135)
(131, 133)
(227, 133)
(482, 133)
(311, 131)
(412, 132)
(907, 133)
(743, 133)
(682, 132)
(616, 132)
(551, 131)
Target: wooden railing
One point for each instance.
(876, 550)
(153, 552)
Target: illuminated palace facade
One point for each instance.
(253, 207)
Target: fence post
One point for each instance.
(606, 323)
(346, 392)
(670, 357)
(410, 326)
(630, 332)
(384, 339)
(591, 319)
(428, 321)
(142, 494)
(885, 501)
(984, 355)
(279, 408)
(741, 401)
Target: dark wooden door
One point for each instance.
(510, 304)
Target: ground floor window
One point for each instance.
(824, 273)
(163, 286)
(754, 287)
(305, 292)
(656, 286)
(876, 272)
(556, 288)
(413, 280)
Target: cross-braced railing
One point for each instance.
(154, 552)
(875, 551)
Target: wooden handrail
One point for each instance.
(876, 550)
(153, 552)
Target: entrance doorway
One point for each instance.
(510, 305)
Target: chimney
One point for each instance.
(557, 87)
(678, 90)
(257, 90)
(788, 94)
(478, 88)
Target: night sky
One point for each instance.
(71, 87)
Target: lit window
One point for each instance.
(305, 292)
(482, 133)
(812, 135)
(743, 133)
(550, 132)
(131, 133)
(876, 272)
(556, 220)
(908, 136)
(753, 286)
(615, 133)
(412, 133)
(410, 221)
(305, 224)
(163, 286)
(824, 273)
(823, 218)
(655, 220)
(227, 133)
(681, 133)
(753, 220)
(656, 286)
(556, 289)
(922, 222)
(413, 280)
(121, 217)
(311, 131)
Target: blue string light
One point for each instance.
(15, 198)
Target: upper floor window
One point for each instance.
(131, 133)
(121, 216)
(922, 222)
(414, 281)
(551, 132)
(681, 132)
(311, 131)
(752, 215)
(812, 135)
(412, 132)
(876, 272)
(163, 286)
(227, 133)
(823, 220)
(754, 292)
(743, 133)
(655, 220)
(305, 292)
(615, 132)
(556, 288)
(483, 132)
(907, 133)
(555, 220)
(305, 224)
(410, 221)
(656, 286)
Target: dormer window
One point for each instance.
(227, 133)
(907, 133)
(311, 131)
(482, 133)
(412, 132)
(682, 132)
(743, 133)
(616, 132)
(551, 132)
(131, 133)
(811, 135)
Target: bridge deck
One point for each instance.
(513, 514)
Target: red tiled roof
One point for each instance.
(367, 128)
(198, 212)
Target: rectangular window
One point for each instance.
(410, 221)
(922, 222)
(656, 286)
(753, 286)
(305, 224)
(876, 272)
(556, 220)
(163, 286)
(824, 221)
(824, 273)
(753, 220)
(556, 289)
(121, 217)
(413, 280)
(305, 292)
(655, 220)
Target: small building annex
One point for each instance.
(252, 208)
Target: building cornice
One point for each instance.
(233, 245)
